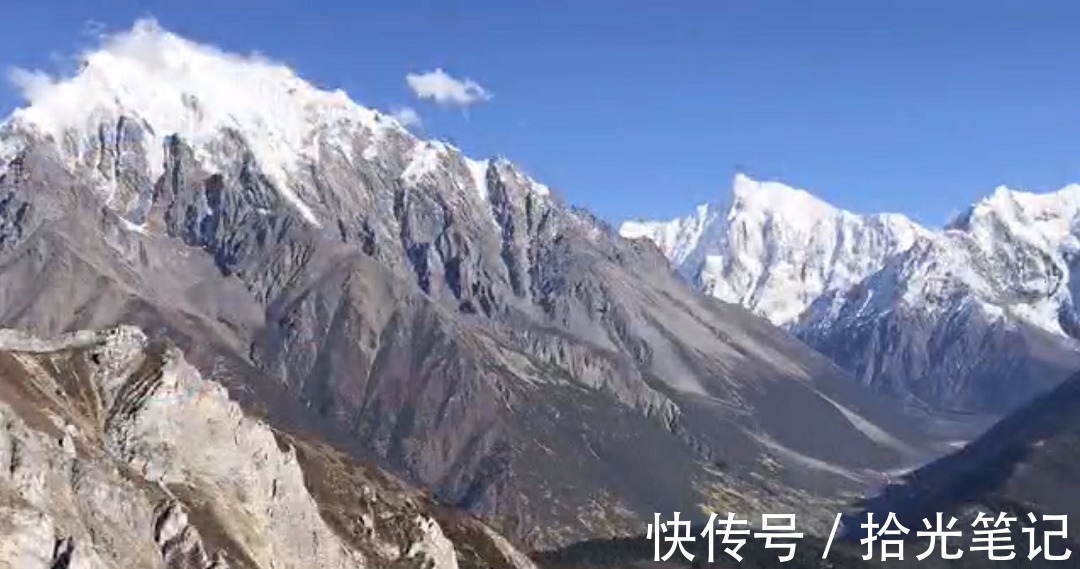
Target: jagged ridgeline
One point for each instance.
(977, 317)
(449, 319)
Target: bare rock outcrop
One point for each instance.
(116, 453)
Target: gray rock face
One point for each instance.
(451, 319)
(116, 453)
(451, 339)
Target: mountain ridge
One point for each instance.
(874, 291)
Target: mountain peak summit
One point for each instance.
(167, 78)
(778, 198)
(171, 85)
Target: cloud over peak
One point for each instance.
(445, 89)
(407, 116)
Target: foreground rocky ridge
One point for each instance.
(978, 316)
(115, 453)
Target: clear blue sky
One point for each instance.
(645, 107)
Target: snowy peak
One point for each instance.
(177, 86)
(173, 86)
(779, 200)
(1043, 218)
(801, 209)
(1010, 204)
(778, 250)
(775, 248)
(679, 238)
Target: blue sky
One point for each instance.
(645, 108)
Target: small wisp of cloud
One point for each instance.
(31, 83)
(407, 116)
(445, 89)
(95, 30)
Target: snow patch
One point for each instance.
(133, 227)
(538, 188)
(426, 159)
(478, 170)
(434, 545)
(518, 560)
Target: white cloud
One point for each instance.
(31, 83)
(445, 89)
(407, 116)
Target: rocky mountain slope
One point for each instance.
(1028, 462)
(116, 453)
(977, 316)
(1025, 467)
(451, 319)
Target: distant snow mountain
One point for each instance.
(775, 249)
(978, 315)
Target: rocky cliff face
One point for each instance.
(977, 316)
(115, 452)
(451, 319)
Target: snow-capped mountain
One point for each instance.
(451, 318)
(977, 315)
(775, 249)
(146, 86)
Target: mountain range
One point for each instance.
(978, 316)
(448, 319)
(249, 322)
